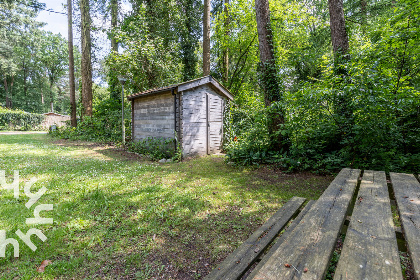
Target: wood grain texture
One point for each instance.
(194, 122)
(193, 84)
(235, 265)
(132, 120)
(215, 122)
(216, 85)
(407, 194)
(370, 249)
(311, 243)
(281, 239)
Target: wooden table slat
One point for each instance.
(407, 194)
(370, 249)
(312, 242)
(235, 265)
(281, 239)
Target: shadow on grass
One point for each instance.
(129, 219)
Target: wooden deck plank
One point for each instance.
(311, 244)
(235, 265)
(281, 239)
(370, 249)
(407, 194)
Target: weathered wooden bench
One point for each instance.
(305, 248)
(242, 258)
(407, 195)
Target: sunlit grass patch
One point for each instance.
(116, 216)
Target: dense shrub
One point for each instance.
(383, 132)
(246, 135)
(248, 139)
(19, 120)
(156, 148)
(103, 126)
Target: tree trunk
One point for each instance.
(339, 38)
(8, 105)
(206, 38)
(113, 81)
(9, 102)
(86, 58)
(51, 98)
(269, 81)
(268, 73)
(363, 9)
(340, 42)
(25, 91)
(114, 22)
(226, 51)
(72, 85)
(25, 83)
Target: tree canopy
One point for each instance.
(301, 106)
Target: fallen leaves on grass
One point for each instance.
(41, 268)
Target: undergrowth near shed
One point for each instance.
(104, 125)
(383, 133)
(156, 148)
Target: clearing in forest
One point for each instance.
(117, 216)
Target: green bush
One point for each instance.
(19, 120)
(247, 140)
(155, 147)
(381, 133)
(103, 126)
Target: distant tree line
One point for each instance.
(317, 84)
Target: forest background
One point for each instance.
(338, 87)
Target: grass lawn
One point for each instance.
(117, 216)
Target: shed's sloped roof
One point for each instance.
(185, 86)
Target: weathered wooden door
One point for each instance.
(194, 122)
(214, 104)
(202, 122)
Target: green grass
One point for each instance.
(117, 217)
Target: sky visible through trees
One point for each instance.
(340, 85)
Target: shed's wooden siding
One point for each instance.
(202, 118)
(215, 113)
(178, 116)
(154, 116)
(194, 122)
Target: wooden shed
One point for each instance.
(191, 111)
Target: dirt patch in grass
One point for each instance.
(273, 175)
(76, 143)
(108, 150)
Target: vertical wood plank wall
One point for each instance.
(154, 116)
(179, 114)
(202, 119)
(215, 113)
(194, 122)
